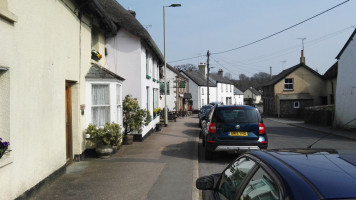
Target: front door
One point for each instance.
(69, 142)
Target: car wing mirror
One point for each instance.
(205, 183)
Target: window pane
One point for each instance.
(118, 98)
(100, 115)
(261, 186)
(100, 95)
(233, 177)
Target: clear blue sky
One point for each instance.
(218, 25)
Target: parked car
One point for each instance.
(204, 110)
(285, 174)
(234, 128)
(216, 103)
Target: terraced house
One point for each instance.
(52, 65)
(132, 53)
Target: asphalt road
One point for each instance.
(280, 135)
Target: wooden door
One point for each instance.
(69, 142)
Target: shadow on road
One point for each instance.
(192, 124)
(181, 150)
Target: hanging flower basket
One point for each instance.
(4, 147)
(95, 55)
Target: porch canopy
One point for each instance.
(294, 96)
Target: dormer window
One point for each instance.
(288, 84)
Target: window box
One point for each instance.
(148, 77)
(154, 80)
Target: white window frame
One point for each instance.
(287, 84)
(100, 105)
(115, 105)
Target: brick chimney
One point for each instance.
(203, 69)
(221, 73)
(302, 58)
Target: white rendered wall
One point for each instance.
(238, 99)
(127, 58)
(42, 52)
(345, 100)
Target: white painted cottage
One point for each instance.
(345, 100)
(177, 91)
(238, 97)
(43, 66)
(133, 54)
(224, 88)
(198, 87)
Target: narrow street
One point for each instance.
(167, 163)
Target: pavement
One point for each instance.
(163, 166)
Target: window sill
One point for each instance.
(288, 90)
(7, 15)
(6, 160)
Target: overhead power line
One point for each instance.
(259, 40)
(281, 30)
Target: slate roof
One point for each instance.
(288, 71)
(99, 72)
(254, 91)
(347, 44)
(176, 71)
(124, 19)
(237, 91)
(198, 78)
(331, 72)
(219, 78)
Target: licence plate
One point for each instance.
(238, 133)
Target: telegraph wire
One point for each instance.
(259, 40)
(280, 31)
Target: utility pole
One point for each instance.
(207, 79)
(270, 71)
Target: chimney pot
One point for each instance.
(133, 13)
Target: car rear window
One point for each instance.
(237, 116)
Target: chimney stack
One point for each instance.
(203, 69)
(133, 13)
(302, 58)
(221, 72)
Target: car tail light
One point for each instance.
(212, 128)
(261, 128)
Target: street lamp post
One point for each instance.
(165, 64)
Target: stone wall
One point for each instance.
(319, 115)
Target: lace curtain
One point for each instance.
(100, 104)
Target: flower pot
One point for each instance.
(127, 140)
(158, 127)
(104, 151)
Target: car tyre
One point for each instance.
(208, 154)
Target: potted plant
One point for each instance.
(4, 147)
(133, 118)
(157, 112)
(115, 131)
(104, 138)
(95, 55)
